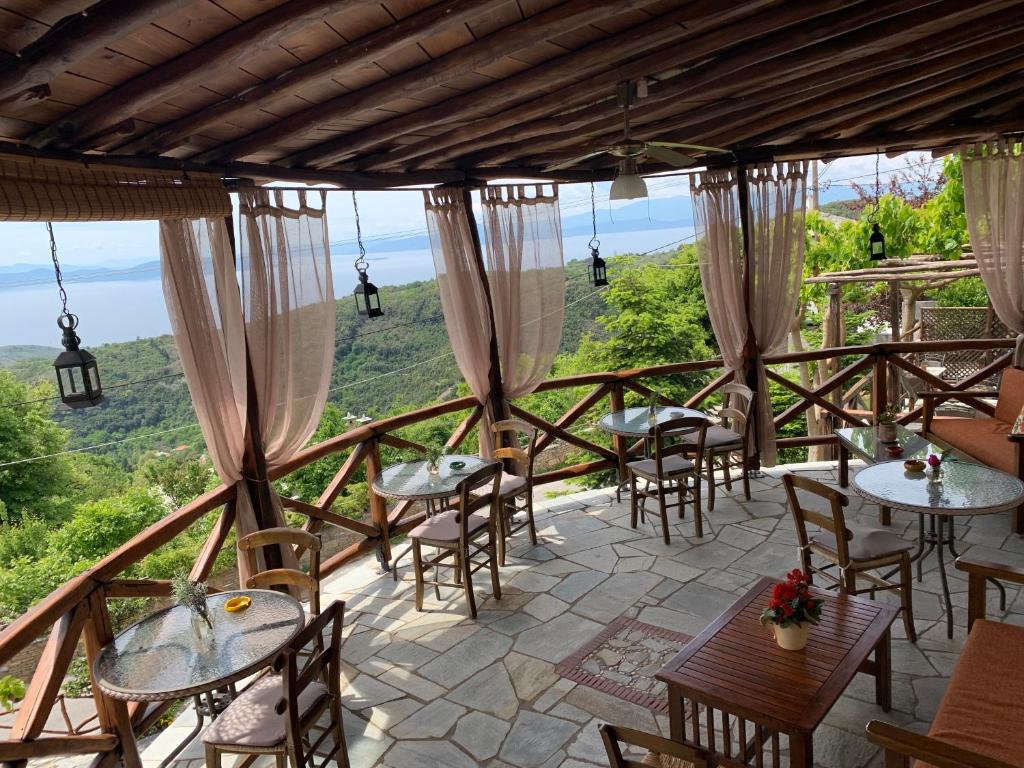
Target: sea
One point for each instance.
(125, 310)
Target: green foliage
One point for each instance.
(26, 431)
(182, 479)
(99, 527)
(12, 690)
(967, 292)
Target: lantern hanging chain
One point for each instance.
(878, 187)
(57, 272)
(360, 263)
(594, 242)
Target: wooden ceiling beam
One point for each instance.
(756, 64)
(948, 135)
(341, 179)
(75, 37)
(950, 103)
(798, 19)
(188, 70)
(862, 107)
(359, 53)
(557, 20)
(561, 75)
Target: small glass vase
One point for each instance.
(887, 432)
(201, 624)
(433, 468)
(652, 416)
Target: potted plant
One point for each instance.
(887, 424)
(792, 611)
(192, 595)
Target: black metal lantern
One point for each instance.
(876, 243)
(598, 271)
(78, 376)
(366, 294)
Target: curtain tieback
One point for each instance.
(1018, 352)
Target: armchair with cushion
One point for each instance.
(986, 439)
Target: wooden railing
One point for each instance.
(866, 379)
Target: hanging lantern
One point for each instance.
(366, 294)
(597, 270)
(876, 243)
(78, 376)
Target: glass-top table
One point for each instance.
(162, 657)
(960, 488)
(632, 422)
(412, 480)
(866, 444)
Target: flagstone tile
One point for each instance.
(412, 684)
(481, 734)
(432, 721)
(609, 599)
(575, 585)
(534, 738)
(530, 676)
(489, 690)
(470, 656)
(558, 638)
(546, 607)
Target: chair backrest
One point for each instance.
(735, 413)
(616, 735)
(834, 521)
(285, 577)
(665, 433)
(300, 668)
(485, 479)
(517, 431)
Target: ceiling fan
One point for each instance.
(628, 183)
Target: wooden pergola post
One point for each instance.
(750, 353)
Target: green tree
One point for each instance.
(26, 432)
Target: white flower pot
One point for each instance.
(793, 637)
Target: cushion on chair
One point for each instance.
(509, 485)
(659, 760)
(443, 527)
(716, 437)
(866, 544)
(672, 465)
(1011, 395)
(250, 720)
(982, 708)
(982, 439)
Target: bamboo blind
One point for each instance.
(34, 189)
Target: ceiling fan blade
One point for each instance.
(698, 147)
(570, 163)
(670, 156)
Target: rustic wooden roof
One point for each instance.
(421, 91)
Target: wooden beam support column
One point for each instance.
(750, 353)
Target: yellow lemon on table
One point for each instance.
(236, 604)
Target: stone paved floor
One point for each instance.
(432, 689)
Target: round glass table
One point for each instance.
(162, 657)
(960, 489)
(411, 481)
(634, 423)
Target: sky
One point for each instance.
(381, 214)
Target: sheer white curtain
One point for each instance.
(777, 193)
(462, 292)
(525, 270)
(284, 315)
(776, 232)
(994, 199)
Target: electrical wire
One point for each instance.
(98, 445)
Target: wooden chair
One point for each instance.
(457, 536)
(661, 752)
(728, 441)
(670, 471)
(853, 550)
(302, 541)
(278, 715)
(515, 492)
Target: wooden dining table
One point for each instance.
(736, 678)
